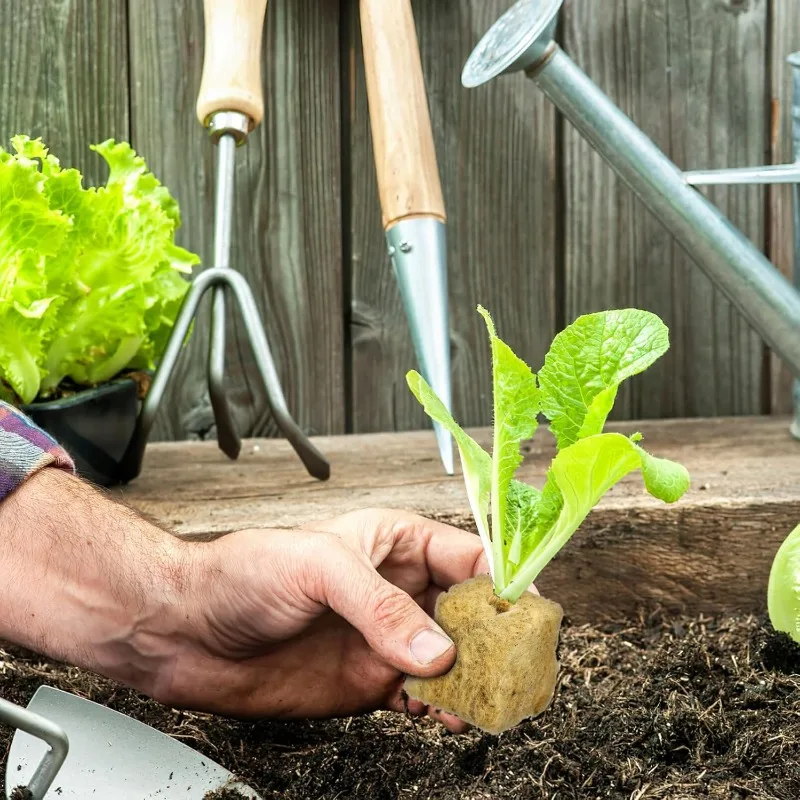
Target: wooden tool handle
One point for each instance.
(405, 157)
(232, 60)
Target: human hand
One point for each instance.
(319, 621)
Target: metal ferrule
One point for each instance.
(418, 250)
(234, 123)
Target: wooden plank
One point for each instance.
(692, 76)
(64, 77)
(287, 232)
(496, 153)
(785, 40)
(709, 552)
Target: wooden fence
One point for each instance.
(540, 230)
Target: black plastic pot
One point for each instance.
(94, 426)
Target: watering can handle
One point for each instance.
(231, 79)
(54, 737)
(405, 156)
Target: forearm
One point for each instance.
(86, 580)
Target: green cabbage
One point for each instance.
(91, 279)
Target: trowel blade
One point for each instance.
(113, 755)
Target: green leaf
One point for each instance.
(783, 590)
(583, 472)
(664, 479)
(516, 405)
(531, 514)
(101, 263)
(476, 463)
(586, 364)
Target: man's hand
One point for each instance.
(302, 623)
(313, 622)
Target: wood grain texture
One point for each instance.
(64, 77)
(231, 78)
(495, 148)
(785, 40)
(632, 552)
(693, 77)
(287, 229)
(402, 139)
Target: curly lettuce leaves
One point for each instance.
(94, 272)
(575, 390)
(783, 591)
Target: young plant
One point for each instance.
(91, 279)
(575, 390)
(783, 593)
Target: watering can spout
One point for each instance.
(522, 40)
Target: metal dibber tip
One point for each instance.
(445, 442)
(417, 247)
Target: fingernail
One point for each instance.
(428, 645)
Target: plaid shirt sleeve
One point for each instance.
(25, 449)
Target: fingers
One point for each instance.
(390, 620)
(451, 555)
(416, 708)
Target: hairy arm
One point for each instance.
(86, 580)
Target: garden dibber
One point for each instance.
(410, 191)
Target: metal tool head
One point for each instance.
(418, 251)
(515, 42)
(113, 755)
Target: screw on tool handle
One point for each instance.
(231, 78)
(51, 734)
(405, 156)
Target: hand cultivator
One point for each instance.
(230, 104)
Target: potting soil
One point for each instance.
(668, 707)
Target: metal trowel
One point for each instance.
(67, 747)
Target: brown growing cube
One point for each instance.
(506, 665)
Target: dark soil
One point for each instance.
(666, 708)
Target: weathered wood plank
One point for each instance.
(496, 152)
(711, 551)
(785, 30)
(287, 232)
(64, 77)
(692, 76)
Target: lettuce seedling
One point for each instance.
(575, 391)
(783, 592)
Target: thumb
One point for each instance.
(392, 623)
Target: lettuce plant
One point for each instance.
(575, 390)
(91, 279)
(783, 592)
